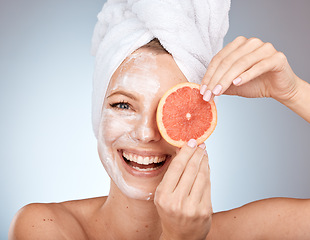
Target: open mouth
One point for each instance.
(144, 163)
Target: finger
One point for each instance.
(273, 63)
(226, 63)
(214, 88)
(176, 167)
(202, 181)
(243, 64)
(206, 89)
(247, 90)
(216, 60)
(189, 175)
(207, 192)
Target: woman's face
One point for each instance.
(130, 146)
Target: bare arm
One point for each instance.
(300, 101)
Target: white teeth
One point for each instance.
(144, 169)
(140, 159)
(143, 160)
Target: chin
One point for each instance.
(140, 172)
(136, 171)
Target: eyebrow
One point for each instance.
(127, 94)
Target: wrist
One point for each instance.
(294, 95)
(299, 100)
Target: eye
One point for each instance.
(121, 105)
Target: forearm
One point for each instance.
(300, 101)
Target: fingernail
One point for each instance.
(203, 145)
(192, 143)
(203, 89)
(217, 89)
(237, 81)
(207, 96)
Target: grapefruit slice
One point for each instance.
(182, 114)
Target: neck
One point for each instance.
(130, 218)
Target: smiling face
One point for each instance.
(129, 144)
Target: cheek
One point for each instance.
(114, 125)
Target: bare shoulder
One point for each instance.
(52, 220)
(274, 218)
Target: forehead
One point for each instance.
(146, 69)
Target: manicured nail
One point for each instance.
(207, 96)
(237, 81)
(217, 89)
(203, 89)
(192, 143)
(203, 145)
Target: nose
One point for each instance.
(146, 130)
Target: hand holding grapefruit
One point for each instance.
(182, 115)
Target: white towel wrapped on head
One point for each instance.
(192, 31)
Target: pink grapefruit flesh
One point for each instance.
(182, 115)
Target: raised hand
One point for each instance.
(183, 198)
(250, 68)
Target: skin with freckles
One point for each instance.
(161, 192)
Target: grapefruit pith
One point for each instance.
(182, 115)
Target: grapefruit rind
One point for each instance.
(159, 116)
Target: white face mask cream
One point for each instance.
(122, 128)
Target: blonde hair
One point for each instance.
(155, 46)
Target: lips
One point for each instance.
(144, 162)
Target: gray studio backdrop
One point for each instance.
(48, 153)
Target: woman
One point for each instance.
(180, 181)
(161, 192)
